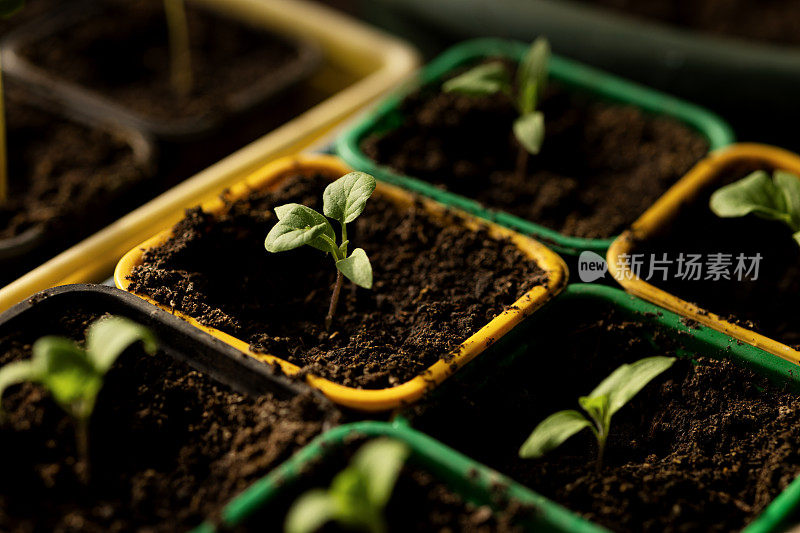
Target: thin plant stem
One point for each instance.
(180, 50)
(601, 450)
(82, 446)
(3, 148)
(522, 162)
(334, 300)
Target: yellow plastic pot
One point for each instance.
(661, 214)
(378, 400)
(360, 64)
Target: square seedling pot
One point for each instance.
(472, 481)
(389, 398)
(360, 64)
(656, 221)
(453, 413)
(571, 74)
(86, 100)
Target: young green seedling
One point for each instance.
(531, 80)
(7, 8)
(601, 404)
(73, 374)
(357, 495)
(180, 50)
(776, 198)
(343, 200)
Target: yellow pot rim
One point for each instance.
(412, 390)
(660, 214)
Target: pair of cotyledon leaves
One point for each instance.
(343, 200)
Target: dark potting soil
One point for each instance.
(773, 21)
(169, 446)
(70, 178)
(434, 286)
(766, 303)
(600, 167)
(704, 447)
(419, 502)
(123, 53)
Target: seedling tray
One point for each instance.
(659, 217)
(569, 73)
(691, 338)
(85, 100)
(359, 64)
(389, 398)
(471, 480)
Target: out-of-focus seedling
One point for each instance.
(7, 8)
(180, 51)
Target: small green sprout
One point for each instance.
(357, 495)
(180, 51)
(7, 8)
(343, 200)
(73, 374)
(491, 78)
(601, 404)
(776, 198)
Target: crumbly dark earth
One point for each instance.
(434, 286)
(124, 54)
(771, 21)
(766, 304)
(704, 447)
(420, 502)
(69, 178)
(601, 164)
(169, 446)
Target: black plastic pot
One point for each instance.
(88, 102)
(177, 338)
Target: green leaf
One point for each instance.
(346, 198)
(532, 75)
(789, 185)
(310, 512)
(757, 194)
(529, 131)
(380, 462)
(483, 80)
(68, 374)
(298, 225)
(9, 7)
(357, 268)
(598, 409)
(552, 432)
(627, 380)
(108, 338)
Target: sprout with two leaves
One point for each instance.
(74, 374)
(357, 495)
(343, 200)
(600, 405)
(775, 198)
(531, 81)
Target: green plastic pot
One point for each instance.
(696, 338)
(567, 72)
(472, 481)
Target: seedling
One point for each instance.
(357, 495)
(601, 404)
(180, 50)
(343, 200)
(7, 8)
(526, 93)
(73, 374)
(776, 198)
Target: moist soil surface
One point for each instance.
(601, 164)
(706, 446)
(168, 447)
(419, 502)
(66, 177)
(772, 21)
(766, 303)
(434, 286)
(123, 53)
